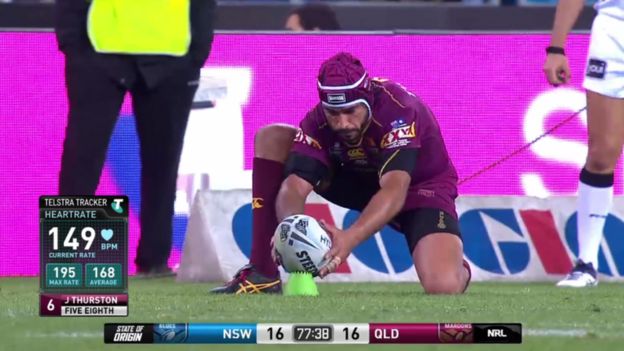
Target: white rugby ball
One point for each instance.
(301, 243)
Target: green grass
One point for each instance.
(598, 311)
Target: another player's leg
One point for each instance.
(595, 193)
(272, 146)
(162, 114)
(94, 103)
(437, 250)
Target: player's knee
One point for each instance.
(602, 156)
(443, 284)
(273, 142)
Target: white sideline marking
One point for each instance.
(573, 333)
(65, 335)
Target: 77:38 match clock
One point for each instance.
(84, 255)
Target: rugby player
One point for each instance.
(368, 145)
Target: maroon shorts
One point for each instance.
(425, 212)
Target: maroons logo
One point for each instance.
(455, 333)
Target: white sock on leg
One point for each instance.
(594, 204)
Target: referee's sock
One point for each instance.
(266, 181)
(595, 198)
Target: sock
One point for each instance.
(595, 197)
(266, 180)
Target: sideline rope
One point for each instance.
(522, 148)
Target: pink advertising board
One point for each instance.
(487, 90)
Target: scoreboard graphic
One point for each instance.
(84, 256)
(318, 333)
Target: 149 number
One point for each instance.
(87, 234)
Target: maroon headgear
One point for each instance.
(343, 82)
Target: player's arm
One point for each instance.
(395, 178)
(566, 15)
(303, 173)
(556, 67)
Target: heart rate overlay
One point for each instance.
(84, 255)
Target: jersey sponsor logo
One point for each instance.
(256, 202)
(336, 98)
(305, 139)
(426, 192)
(356, 154)
(398, 137)
(596, 68)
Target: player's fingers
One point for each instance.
(328, 228)
(324, 270)
(337, 261)
(333, 264)
(276, 257)
(564, 74)
(323, 224)
(330, 267)
(551, 76)
(331, 253)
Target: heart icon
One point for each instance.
(106, 234)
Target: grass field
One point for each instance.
(553, 319)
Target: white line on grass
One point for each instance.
(65, 335)
(573, 333)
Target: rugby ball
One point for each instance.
(300, 244)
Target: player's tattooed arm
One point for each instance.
(303, 173)
(291, 197)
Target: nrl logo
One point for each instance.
(302, 226)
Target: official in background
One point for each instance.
(604, 85)
(154, 50)
(312, 17)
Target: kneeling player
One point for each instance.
(371, 146)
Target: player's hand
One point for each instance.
(557, 69)
(274, 255)
(342, 245)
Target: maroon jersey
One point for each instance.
(400, 120)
